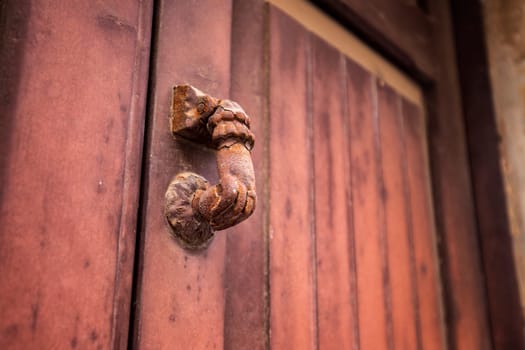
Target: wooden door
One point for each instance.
(340, 252)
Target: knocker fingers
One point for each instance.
(227, 218)
(248, 208)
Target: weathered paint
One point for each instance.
(504, 26)
(73, 87)
(180, 295)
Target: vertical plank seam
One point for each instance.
(442, 253)
(439, 279)
(311, 183)
(135, 311)
(224, 269)
(410, 228)
(354, 297)
(267, 162)
(381, 216)
(125, 173)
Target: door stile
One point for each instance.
(246, 285)
(182, 292)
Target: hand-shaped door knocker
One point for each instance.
(193, 208)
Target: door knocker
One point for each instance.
(193, 208)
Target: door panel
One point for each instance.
(180, 294)
(73, 91)
(337, 309)
(406, 331)
(368, 229)
(246, 267)
(341, 251)
(292, 269)
(429, 290)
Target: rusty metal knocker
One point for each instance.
(193, 208)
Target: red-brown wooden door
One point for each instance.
(340, 252)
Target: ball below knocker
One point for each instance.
(189, 228)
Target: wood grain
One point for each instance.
(425, 253)
(336, 292)
(369, 245)
(73, 89)
(181, 295)
(246, 249)
(404, 303)
(292, 280)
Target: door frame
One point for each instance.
(500, 257)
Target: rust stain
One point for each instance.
(11, 331)
(34, 317)
(93, 335)
(111, 22)
(288, 208)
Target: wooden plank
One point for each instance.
(181, 295)
(466, 308)
(489, 148)
(427, 274)
(246, 291)
(404, 304)
(337, 320)
(370, 260)
(73, 87)
(292, 280)
(401, 31)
